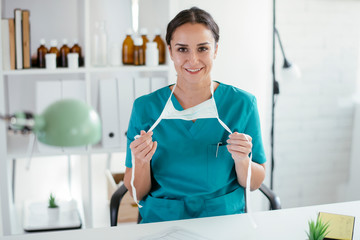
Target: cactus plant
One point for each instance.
(317, 230)
(52, 201)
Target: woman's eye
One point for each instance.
(182, 49)
(202, 49)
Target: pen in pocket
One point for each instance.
(217, 148)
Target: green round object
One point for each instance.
(69, 123)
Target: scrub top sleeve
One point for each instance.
(132, 131)
(254, 130)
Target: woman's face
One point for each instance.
(193, 50)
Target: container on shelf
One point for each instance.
(138, 52)
(77, 49)
(73, 60)
(100, 45)
(128, 49)
(152, 54)
(161, 46)
(41, 52)
(143, 34)
(64, 51)
(54, 49)
(115, 55)
(50, 61)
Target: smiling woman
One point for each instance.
(188, 169)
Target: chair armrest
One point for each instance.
(115, 203)
(273, 198)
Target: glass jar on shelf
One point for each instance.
(128, 49)
(41, 52)
(64, 51)
(161, 46)
(138, 52)
(100, 45)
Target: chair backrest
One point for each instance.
(274, 200)
(120, 192)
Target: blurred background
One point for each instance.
(317, 112)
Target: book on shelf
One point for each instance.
(18, 38)
(12, 43)
(5, 41)
(26, 38)
(8, 43)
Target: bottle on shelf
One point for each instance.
(152, 54)
(77, 49)
(128, 49)
(64, 50)
(115, 54)
(41, 51)
(54, 49)
(161, 46)
(100, 45)
(143, 33)
(138, 52)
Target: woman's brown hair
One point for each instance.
(192, 15)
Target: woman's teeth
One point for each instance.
(194, 70)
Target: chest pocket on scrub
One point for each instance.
(220, 166)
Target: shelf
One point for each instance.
(18, 146)
(161, 68)
(36, 154)
(19, 88)
(37, 71)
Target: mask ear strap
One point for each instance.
(133, 177)
(159, 118)
(132, 155)
(217, 114)
(248, 202)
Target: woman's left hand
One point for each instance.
(239, 145)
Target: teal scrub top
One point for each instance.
(190, 177)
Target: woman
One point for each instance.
(188, 169)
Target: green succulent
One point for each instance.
(52, 201)
(317, 230)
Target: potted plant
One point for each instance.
(317, 230)
(53, 209)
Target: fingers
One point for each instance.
(143, 147)
(238, 149)
(149, 155)
(144, 138)
(241, 140)
(240, 136)
(239, 145)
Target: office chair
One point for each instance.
(120, 192)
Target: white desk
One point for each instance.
(280, 225)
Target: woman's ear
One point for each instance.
(216, 49)
(169, 48)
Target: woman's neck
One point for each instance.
(189, 95)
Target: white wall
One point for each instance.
(244, 54)
(314, 119)
(1, 225)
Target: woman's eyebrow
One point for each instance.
(204, 43)
(185, 45)
(181, 45)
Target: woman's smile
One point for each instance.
(193, 70)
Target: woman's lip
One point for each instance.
(193, 70)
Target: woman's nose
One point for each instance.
(193, 57)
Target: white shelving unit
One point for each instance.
(72, 19)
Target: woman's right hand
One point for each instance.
(143, 148)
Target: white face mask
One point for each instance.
(206, 109)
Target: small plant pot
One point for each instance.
(53, 214)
